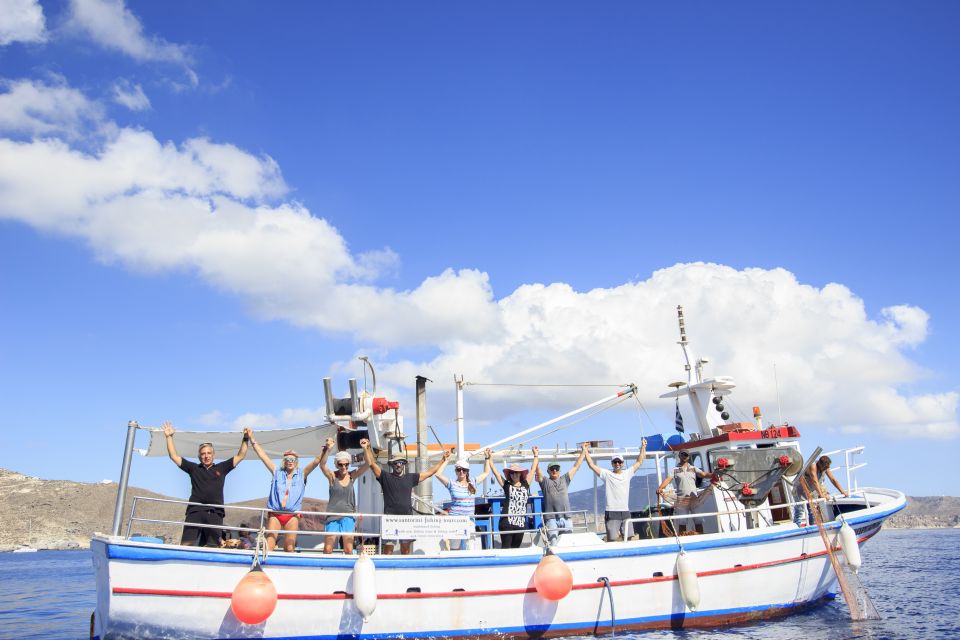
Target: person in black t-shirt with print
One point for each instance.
(206, 487)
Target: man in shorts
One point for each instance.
(397, 486)
(556, 497)
(616, 484)
(206, 487)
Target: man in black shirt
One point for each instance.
(396, 488)
(206, 487)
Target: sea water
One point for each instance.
(911, 575)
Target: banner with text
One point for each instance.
(421, 527)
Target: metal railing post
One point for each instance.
(132, 427)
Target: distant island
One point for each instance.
(60, 514)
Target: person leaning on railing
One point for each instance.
(287, 487)
(206, 487)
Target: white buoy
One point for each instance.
(687, 576)
(851, 550)
(365, 586)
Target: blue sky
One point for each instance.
(207, 207)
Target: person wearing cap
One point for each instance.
(287, 487)
(462, 491)
(516, 492)
(684, 479)
(397, 486)
(556, 496)
(342, 505)
(616, 484)
(206, 488)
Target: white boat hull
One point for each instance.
(149, 590)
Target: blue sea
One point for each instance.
(911, 575)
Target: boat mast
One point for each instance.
(132, 427)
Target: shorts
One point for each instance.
(617, 525)
(346, 524)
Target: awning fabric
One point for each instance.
(306, 441)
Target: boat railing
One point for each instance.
(849, 466)
(483, 531)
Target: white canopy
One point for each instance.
(306, 441)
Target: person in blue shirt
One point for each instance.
(286, 493)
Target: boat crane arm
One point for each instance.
(632, 390)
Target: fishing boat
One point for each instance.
(744, 559)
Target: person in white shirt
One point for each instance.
(616, 483)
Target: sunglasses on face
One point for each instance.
(289, 458)
(343, 464)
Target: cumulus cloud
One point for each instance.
(111, 25)
(219, 212)
(21, 21)
(130, 96)
(42, 109)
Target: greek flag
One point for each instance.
(678, 421)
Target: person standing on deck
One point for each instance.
(287, 488)
(462, 492)
(397, 486)
(556, 497)
(206, 488)
(684, 478)
(342, 505)
(616, 483)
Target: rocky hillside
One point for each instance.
(59, 514)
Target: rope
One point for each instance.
(260, 548)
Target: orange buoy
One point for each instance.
(552, 578)
(254, 598)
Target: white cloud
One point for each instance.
(130, 96)
(110, 24)
(212, 209)
(40, 109)
(21, 21)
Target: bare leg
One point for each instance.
(274, 524)
(348, 545)
(328, 543)
(290, 539)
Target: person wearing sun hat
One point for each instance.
(516, 491)
(342, 504)
(287, 488)
(556, 497)
(462, 492)
(616, 484)
(397, 486)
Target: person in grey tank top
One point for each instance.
(342, 504)
(556, 497)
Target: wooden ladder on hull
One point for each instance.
(852, 602)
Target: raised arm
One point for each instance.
(368, 456)
(576, 464)
(437, 468)
(641, 456)
(242, 452)
(264, 458)
(590, 463)
(168, 431)
(362, 469)
(321, 460)
(536, 464)
(483, 474)
(491, 467)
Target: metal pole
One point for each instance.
(458, 379)
(132, 427)
(424, 490)
(632, 390)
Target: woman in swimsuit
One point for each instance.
(286, 493)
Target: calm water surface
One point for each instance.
(911, 575)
